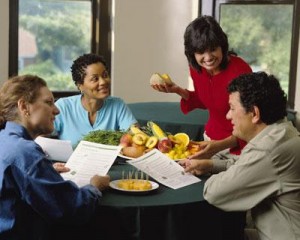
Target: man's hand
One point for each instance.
(197, 166)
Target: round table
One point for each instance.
(158, 197)
(164, 213)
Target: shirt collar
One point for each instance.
(17, 129)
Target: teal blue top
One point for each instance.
(73, 122)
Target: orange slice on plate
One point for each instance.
(183, 138)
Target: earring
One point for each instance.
(26, 114)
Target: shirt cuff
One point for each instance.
(219, 166)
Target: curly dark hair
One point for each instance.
(80, 64)
(202, 34)
(261, 90)
(26, 87)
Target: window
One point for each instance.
(265, 34)
(52, 33)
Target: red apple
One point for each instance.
(165, 145)
(126, 140)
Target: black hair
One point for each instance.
(202, 34)
(80, 64)
(261, 90)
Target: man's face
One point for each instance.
(243, 126)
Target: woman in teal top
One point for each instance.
(94, 108)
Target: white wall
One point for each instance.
(148, 38)
(4, 25)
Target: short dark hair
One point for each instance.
(204, 33)
(80, 64)
(261, 90)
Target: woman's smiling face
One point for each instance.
(96, 83)
(41, 114)
(210, 60)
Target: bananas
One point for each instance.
(156, 130)
(135, 130)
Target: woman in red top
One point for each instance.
(212, 67)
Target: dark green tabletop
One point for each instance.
(159, 197)
(170, 118)
(165, 214)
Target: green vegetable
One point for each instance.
(108, 137)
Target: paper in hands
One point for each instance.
(163, 169)
(55, 149)
(89, 159)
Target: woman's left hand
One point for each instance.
(60, 167)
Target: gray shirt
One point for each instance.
(265, 179)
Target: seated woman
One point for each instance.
(33, 195)
(93, 109)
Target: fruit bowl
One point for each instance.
(137, 142)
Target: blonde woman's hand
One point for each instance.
(100, 182)
(60, 167)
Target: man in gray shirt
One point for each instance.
(266, 177)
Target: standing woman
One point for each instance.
(212, 67)
(33, 195)
(93, 109)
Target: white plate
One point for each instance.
(114, 185)
(123, 156)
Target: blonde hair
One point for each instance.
(19, 87)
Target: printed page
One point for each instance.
(90, 159)
(163, 169)
(55, 149)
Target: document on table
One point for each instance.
(89, 159)
(163, 169)
(55, 149)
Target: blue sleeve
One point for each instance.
(56, 199)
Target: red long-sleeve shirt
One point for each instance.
(211, 93)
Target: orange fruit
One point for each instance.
(183, 138)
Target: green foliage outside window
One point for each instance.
(261, 34)
(62, 32)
